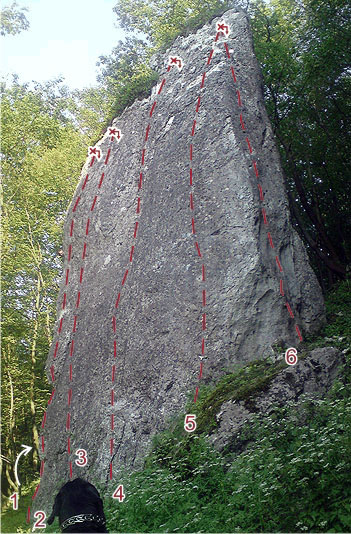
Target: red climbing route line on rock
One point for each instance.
(254, 165)
(61, 322)
(198, 251)
(96, 156)
(193, 181)
(192, 184)
(176, 61)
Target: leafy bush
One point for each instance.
(337, 330)
(291, 465)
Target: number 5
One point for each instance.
(190, 423)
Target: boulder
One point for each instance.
(179, 259)
(311, 377)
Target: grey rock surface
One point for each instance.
(159, 324)
(312, 376)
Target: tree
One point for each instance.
(304, 50)
(163, 20)
(126, 72)
(12, 21)
(42, 154)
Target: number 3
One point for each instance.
(83, 460)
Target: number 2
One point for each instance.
(42, 516)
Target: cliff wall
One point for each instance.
(180, 259)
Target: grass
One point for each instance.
(15, 520)
(295, 477)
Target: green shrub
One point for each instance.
(292, 465)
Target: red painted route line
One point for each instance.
(265, 219)
(135, 231)
(204, 322)
(67, 278)
(68, 419)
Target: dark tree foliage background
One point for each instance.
(305, 52)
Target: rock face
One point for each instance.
(180, 259)
(313, 376)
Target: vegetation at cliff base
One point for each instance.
(297, 456)
(299, 460)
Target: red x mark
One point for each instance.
(176, 60)
(115, 132)
(95, 151)
(222, 27)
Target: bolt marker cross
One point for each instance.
(175, 61)
(223, 27)
(115, 134)
(93, 151)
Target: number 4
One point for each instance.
(118, 494)
(190, 423)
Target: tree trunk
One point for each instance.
(37, 257)
(35, 433)
(11, 453)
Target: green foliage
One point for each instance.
(242, 385)
(126, 75)
(42, 154)
(338, 306)
(337, 331)
(297, 455)
(15, 521)
(137, 85)
(125, 72)
(89, 109)
(12, 21)
(163, 20)
(300, 456)
(171, 447)
(305, 56)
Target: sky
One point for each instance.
(65, 38)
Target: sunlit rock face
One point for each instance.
(180, 259)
